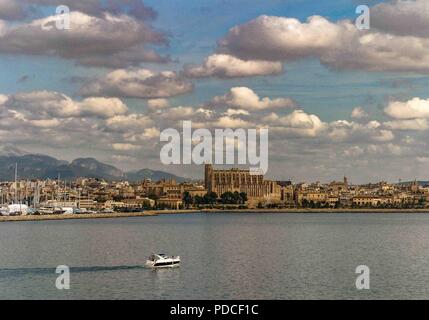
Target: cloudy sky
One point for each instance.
(337, 100)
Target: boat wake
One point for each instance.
(10, 272)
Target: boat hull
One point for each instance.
(163, 264)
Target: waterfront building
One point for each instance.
(366, 201)
(195, 190)
(333, 201)
(168, 193)
(87, 204)
(169, 203)
(96, 194)
(338, 186)
(286, 192)
(242, 180)
(139, 202)
(163, 188)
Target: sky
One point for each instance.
(336, 100)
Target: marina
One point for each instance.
(28, 203)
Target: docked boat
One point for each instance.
(17, 209)
(4, 211)
(46, 210)
(70, 210)
(162, 261)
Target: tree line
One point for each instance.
(211, 198)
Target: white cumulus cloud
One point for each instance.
(409, 17)
(359, 113)
(414, 108)
(338, 45)
(53, 104)
(138, 83)
(246, 98)
(227, 66)
(108, 40)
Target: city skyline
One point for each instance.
(221, 189)
(333, 109)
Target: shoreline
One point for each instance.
(84, 216)
(150, 213)
(318, 210)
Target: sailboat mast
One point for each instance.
(58, 185)
(16, 183)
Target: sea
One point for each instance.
(224, 256)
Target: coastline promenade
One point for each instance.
(207, 211)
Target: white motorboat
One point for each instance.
(46, 210)
(4, 211)
(70, 210)
(17, 209)
(162, 261)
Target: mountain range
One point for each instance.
(39, 166)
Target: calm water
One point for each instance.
(224, 256)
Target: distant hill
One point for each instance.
(37, 166)
(153, 175)
(84, 167)
(31, 166)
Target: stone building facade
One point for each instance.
(241, 180)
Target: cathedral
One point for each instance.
(241, 180)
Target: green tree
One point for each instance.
(422, 201)
(243, 196)
(227, 197)
(210, 198)
(236, 199)
(198, 200)
(146, 205)
(187, 199)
